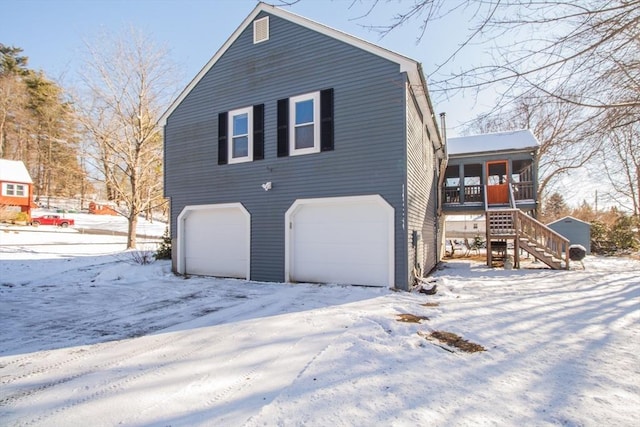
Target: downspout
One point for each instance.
(443, 162)
(443, 167)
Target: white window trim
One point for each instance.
(249, 157)
(5, 189)
(315, 96)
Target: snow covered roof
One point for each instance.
(15, 171)
(489, 142)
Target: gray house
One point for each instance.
(302, 154)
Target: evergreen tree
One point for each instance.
(554, 208)
(38, 126)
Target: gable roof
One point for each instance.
(14, 171)
(411, 67)
(569, 219)
(489, 142)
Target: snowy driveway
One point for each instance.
(97, 340)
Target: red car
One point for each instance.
(52, 220)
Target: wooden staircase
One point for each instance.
(527, 234)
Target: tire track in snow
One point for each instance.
(92, 349)
(267, 379)
(270, 304)
(78, 355)
(96, 349)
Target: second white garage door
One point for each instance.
(214, 240)
(344, 240)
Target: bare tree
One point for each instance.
(129, 81)
(583, 56)
(567, 49)
(568, 139)
(621, 162)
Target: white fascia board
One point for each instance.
(406, 64)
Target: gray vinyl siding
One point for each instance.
(368, 155)
(421, 191)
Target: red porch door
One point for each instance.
(497, 183)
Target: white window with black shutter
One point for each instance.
(304, 120)
(305, 124)
(241, 135)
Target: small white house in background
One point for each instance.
(578, 232)
(465, 226)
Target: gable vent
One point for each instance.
(261, 30)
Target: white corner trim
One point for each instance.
(180, 267)
(378, 199)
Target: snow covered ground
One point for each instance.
(89, 337)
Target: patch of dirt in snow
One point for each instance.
(430, 304)
(452, 340)
(411, 318)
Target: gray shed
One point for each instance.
(578, 232)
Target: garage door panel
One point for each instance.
(356, 232)
(336, 253)
(347, 241)
(342, 273)
(216, 242)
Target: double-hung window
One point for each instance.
(305, 123)
(16, 190)
(240, 135)
(304, 119)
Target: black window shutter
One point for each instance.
(258, 132)
(222, 138)
(326, 120)
(283, 127)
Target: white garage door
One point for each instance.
(345, 240)
(215, 240)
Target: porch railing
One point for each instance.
(472, 194)
(475, 193)
(523, 190)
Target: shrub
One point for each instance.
(142, 256)
(164, 248)
(608, 239)
(22, 216)
(622, 233)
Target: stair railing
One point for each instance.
(544, 237)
